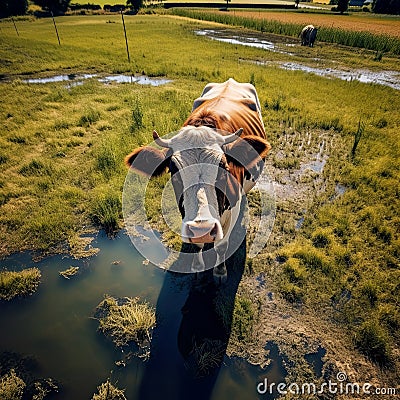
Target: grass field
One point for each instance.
(62, 149)
(102, 2)
(381, 43)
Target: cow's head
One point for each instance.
(207, 172)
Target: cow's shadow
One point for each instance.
(194, 325)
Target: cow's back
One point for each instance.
(229, 106)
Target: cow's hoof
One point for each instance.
(219, 278)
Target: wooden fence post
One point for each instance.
(126, 38)
(55, 27)
(15, 26)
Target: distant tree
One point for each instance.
(342, 6)
(227, 1)
(13, 7)
(55, 6)
(386, 6)
(134, 4)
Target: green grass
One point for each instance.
(17, 284)
(100, 2)
(106, 211)
(232, 4)
(243, 316)
(62, 151)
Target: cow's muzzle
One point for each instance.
(204, 231)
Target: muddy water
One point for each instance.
(77, 79)
(282, 44)
(55, 327)
(275, 43)
(386, 78)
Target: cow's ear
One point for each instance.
(247, 151)
(148, 161)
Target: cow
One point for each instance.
(308, 35)
(214, 159)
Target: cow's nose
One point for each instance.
(201, 228)
(202, 231)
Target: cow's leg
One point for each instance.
(220, 273)
(198, 261)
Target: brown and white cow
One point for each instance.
(214, 159)
(308, 35)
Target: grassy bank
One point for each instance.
(329, 34)
(62, 148)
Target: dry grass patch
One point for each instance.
(126, 320)
(107, 391)
(11, 386)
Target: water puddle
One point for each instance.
(141, 80)
(299, 223)
(279, 44)
(340, 189)
(316, 165)
(66, 346)
(385, 78)
(250, 39)
(60, 78)
(316, 361)
(78, 79)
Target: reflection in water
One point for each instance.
(201, 328)
(55, 328)
(386, 78)
(250, 39)
(76, 79)
(59, 78)
(141, 80)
